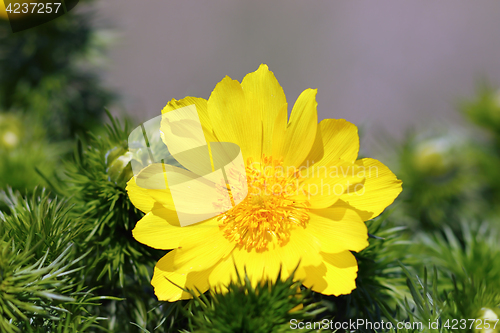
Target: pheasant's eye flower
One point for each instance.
(305, 200)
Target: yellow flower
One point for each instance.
(3, 12)
(308, 196)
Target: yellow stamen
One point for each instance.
(267, 213)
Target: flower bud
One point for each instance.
(119, 169)
(487, 321)
(10, 131)
(434, 157)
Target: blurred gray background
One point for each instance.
(384, 65)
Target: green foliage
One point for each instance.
(44, 71)
(40, 285)
(452, 175)
(380, 282)
(470, 252)
(484, 108)
(439, 180)
(101, 200)
(24, 149)
(468, 299)
(424, 308)
(469, 273)
(120, 266)
(48, 93)
(268, 307)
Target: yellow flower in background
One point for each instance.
(308, 196)
(11, 131)
(3, 12)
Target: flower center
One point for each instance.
(267, 213)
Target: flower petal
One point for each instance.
(259, 267)
(234, 119)
(335, 276)
(223, 273)
(201, 108)
(139, 196)
(186, 131)
(301, 130)
(338, 229)
(192, 197)
(322, 186)
(336, 139)
(302, 248)
(201, 251)
(278, 138)
(270, 101)
(167, 282)
(160, 229)
(380, 189)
